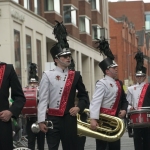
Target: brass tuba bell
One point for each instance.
(110, 128)
(35, 126)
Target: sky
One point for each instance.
(145, 1)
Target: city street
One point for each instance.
(126, 143)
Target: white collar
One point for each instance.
(61, 70)
(109, 78)
(141, 83)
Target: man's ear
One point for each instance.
(55, 60)
(106, 71)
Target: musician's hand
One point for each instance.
(132, 108)
(122, 114)
(5, 115)
(94, 124)
(74, 110)
(43, 127)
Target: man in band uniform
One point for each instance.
(57, 89)
(138, 96)
(109, 97)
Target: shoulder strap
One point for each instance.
(76, 77)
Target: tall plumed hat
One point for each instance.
(108, 62)
(140, 69)
(33, 73)
(62, 46)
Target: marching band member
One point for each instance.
(58, 88)
(109, 97)
(9, 80)
(138, 96)
(32, 118)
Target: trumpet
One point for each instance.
(35, 126)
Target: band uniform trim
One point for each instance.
(2, 70)
(65, 95)
(142, 95)
(112, 111)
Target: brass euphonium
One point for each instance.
(110, 128)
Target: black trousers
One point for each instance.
(64, 129)
(33, 136)
(142, 138)
(6, 138)
(81, 142)
(102, 145)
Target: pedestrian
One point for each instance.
(9, 80)
(31, 112)
(138, 96)
(57, 89)
(109, 96)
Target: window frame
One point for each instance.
(17, 52)
(36, 7)
(55, 4)
(72, 14)
(85, 28)
(28, 41)
(39, 58)
(147, 27)
(17, 1)
(98, 30)
(95, 5)
(26, 4)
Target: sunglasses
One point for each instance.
(66, 56)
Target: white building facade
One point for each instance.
(26, 37)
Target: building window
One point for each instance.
(84, 24)
(39, 60)
(96, 32)
(17, 54)
(69, 14)
(17, 1)
(36, 7)
(147, 21)
(28, 52)
(95, 4)
(27, 4)
(52, 5)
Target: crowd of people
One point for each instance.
(62, 95)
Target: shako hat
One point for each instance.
(140, 69)
(33, 73)
(108, 62)
(61, 47)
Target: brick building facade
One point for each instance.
(135, 12)
(123, 42)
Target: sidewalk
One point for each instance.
(126, 143)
